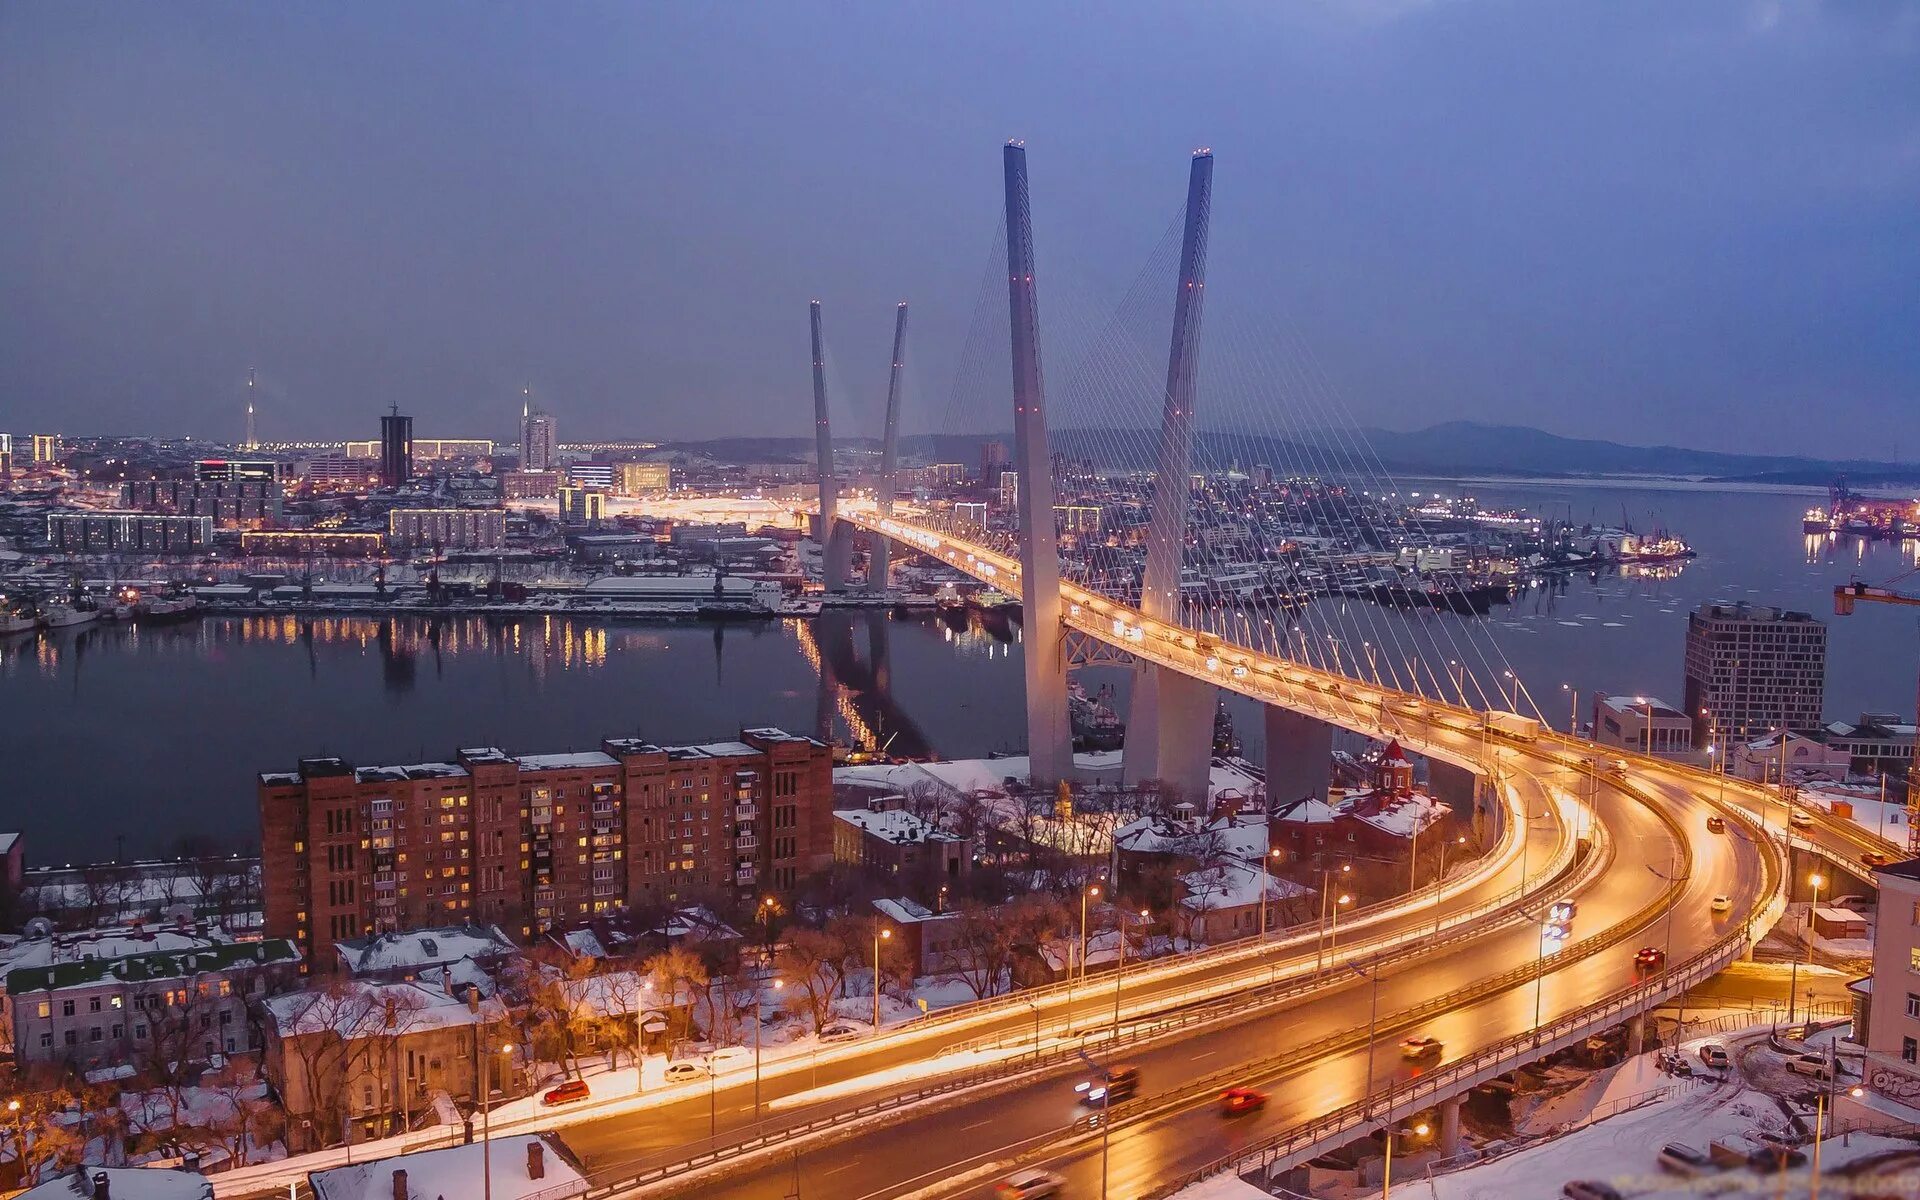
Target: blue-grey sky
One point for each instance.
(1694, 223)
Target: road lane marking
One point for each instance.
(977, 1125)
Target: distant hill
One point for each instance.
(1452, 448)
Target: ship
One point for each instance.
(12, 622)
(989, 600)
(62, 616)
(165, 609)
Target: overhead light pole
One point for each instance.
(879, 935)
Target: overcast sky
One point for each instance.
(1693, 223)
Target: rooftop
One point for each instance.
(358, 1008)
(419, 948)
(456, 1172)
(1638, 706)
(897, 826)
(576, 761)
(152, 966)
(124, 1183)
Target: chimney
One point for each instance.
(400, 1183)
(102, 1186)
(536, 1159)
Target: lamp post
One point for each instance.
(1263, 893)
(486, 1121)
(1441, 878)
(778, 985)
(1672, 877)
(1319, 959)
(1510, 692)
(1386, 1173)
(879, 935)
(1370, 973)
(1793, 981)
(1573, 708)
(1090, 890)
(1333, 935)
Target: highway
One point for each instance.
(969, 1144)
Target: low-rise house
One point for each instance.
(1805, 759)
(887, 840)
(533, 1166)
(123, 1183)
(927, 939)
(356, 1059)
(407, 955)
(156, 1007)
(1878, 743)
(1222, 903)
(1383, 821)
(1643, 723)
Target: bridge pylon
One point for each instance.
(835, 540)
(1170, 722)
(880, 560)
(1049, 731)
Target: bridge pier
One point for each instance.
(880, 558)
(1049, 731)
(1460, 789)
(1170, 732)
(1299, 756)
(836, 540)
(1449, 1141)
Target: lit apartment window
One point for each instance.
(1913, 1005)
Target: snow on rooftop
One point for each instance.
(1401, 816)
(575, 761)
(123, 1183)
(905, 911)
(1308, 811)
(1232, 885)
(103, 944)
(358, 1009)
(456, 1172)
(895, 825)
(416, 948)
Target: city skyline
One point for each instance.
(1517, 252)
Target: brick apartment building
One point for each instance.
(530, 842)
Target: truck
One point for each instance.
(1513, 725)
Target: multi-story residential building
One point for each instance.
(1752, 670)
(527, 485)
(591, 474)
(313, 543)
(582, 505)
(1876, 744)
(1887, 1005)
(537, 442)
(337, 472)
(46, 448)
(1642, 723)
(425, 449)
(154, 1006)
(531, 842)
(237, 470)
(233, 504)
(128, 532)
(447, 528)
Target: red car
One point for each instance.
(566, 1093)
(1238, 1101)
(1649, 958)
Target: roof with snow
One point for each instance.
(1240, 835)
(8, 841)
(153, 966)
(1399, 815)
(907, 912)
(1310, 810)
(359, 1009)
(1233, 886)
(455, 1172)
(895, 825)
(578, 760)
(124, 1183)
(416, 949)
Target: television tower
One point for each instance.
(253, 442)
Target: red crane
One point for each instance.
(1844, 598)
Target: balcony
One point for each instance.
(746, 841)
(744, 876)
(745, 812)
(606, 888)
(605, 807)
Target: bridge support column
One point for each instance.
(1170, 722)
(1170, 732)
(880, 559)
(836, 545)
(1299, 756)
(1049, 732)
(1636, 1035)
(1459, 789)
(1449, 1141)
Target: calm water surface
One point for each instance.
(124, 739)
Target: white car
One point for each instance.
(1813, 1065)
(1722, 904)
(684, 1070)
(1031, 1184)
(726, 1056)
(840, 1031)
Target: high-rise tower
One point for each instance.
(396, 449)
(253, 441)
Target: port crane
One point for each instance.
(1845, 597)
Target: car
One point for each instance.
(1716, 824)
(1649, 957)
(1799, 818)
(1554, 933)
(1722, 904)
(1237, 1101)
(1775, 1158)
(1814, 1066)
(724, 1058)
(684, 1070)
(1115, 1085)
(1030, 1184)
(1589, 1189)
(1715, 1055)
(840, 1031)
(1562, 911)
(1682, 1159)
(1874, 858)
(1420, 1046)
(566, 1093)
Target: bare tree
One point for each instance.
(40, 1133)
(678, 976)
(812, 962)
(318, 1036)
(980, 950)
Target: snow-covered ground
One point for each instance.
(1886, 820)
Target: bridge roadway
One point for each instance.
(963, 1146)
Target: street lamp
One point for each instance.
(1793, 982)
(1386, 1173)
(778, 985)
(1441, 878)
(1091, 890)
(1326, 893)
(486, 1112)
(879, 935)
(1573, 708)
(1672, 877)
(1263, 894)
(1370, 973)
(1333, 934)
